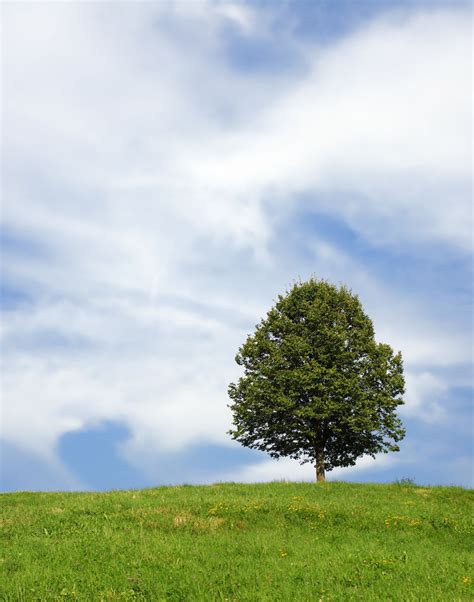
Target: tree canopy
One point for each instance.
(317, 386)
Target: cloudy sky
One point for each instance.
(169, 168)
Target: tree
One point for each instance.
(317, 387)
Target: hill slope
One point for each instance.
(277, 541)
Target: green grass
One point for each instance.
(277, 541)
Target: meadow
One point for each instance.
(233, 542)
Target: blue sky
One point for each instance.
(169, 168)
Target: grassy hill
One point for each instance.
(277, 541)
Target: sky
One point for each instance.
(169, 168)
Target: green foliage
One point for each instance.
(273, 542)
(316, 384)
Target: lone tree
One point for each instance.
(317, 387)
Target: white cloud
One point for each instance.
(240, 14)
(286, 469)
(425, 395)
(388, 106)
(154, 175)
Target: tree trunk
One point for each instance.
(320, 474)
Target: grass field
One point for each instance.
(277, 541)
